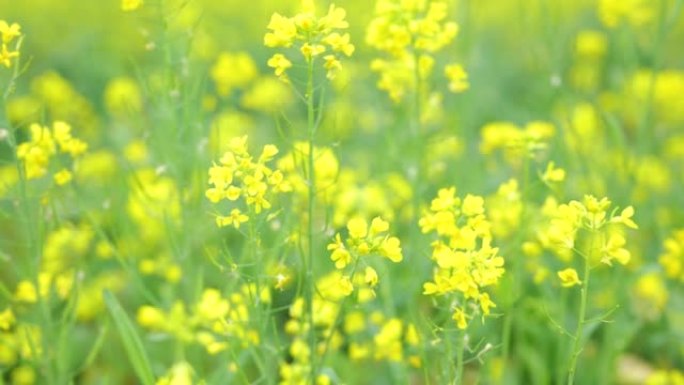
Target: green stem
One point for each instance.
(516, 277)
(255, 259)
(310, 231)
(560, 348)
(417, 140)
(577, 346)
(458, 379)
(34, 242)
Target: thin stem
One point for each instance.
(34, 240)
(417, 138)
(255, 258)
(577, 346)
(458, 380)
(311, 120)
(516, 277)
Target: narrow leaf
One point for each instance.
(134, 347)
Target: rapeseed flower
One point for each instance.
(363, 240)
(9, 49)
(411, 33)
(312, 36)
(239, 178)
(466, 261)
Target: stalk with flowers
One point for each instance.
(466, 263)
(600, 233)
(313, 36)
(193, 194)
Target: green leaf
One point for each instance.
(134, 347)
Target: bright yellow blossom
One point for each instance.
(569, 277)
(312, 35)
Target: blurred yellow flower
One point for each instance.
(130, 5)
(569, 277)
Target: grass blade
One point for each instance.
(134, 347)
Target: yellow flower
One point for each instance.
(130, 5)
(650, 287)
(485, 303)
(370, 276)
(280, 63)
(9, 31)
(613, 249)
(378, 226)
(340, 43)
(6, 56)
(345, 286)
(239, 178)
(7, 319)
(458, 78)
(268, 153)
(340, 255)
(569, 277)
(625, 218)
(283, 31)
(472, 205)
(180, 374)
(335, 19)
(460, 317)
(311, 50)
(233, 71)
(63, 177)
(150, 317)
(445, 199)
(553, 174)
(391, 248)
(672, 257)
(332, 65)
(212, 306)
(466, 261)
(235, 218)
(357, 227)
(312, 35)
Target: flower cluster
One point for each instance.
(516, 142)
(10, 43)
(411, 32)
(588, 65)
(45, 143)
(153, 202)
(374, 336)
(466, 261)
(326, 310)
(236, 74)
(63, 253)
(650, 295)
(215, 322)
(634, 12)
(53, 96)
(238, 177)
(313, 36)
(592, 223)
(295, 168)
(233, 70)
(388, 198)
(504, 209)
(363, 240)
(18, 348)
(672, 257)
(180, 373)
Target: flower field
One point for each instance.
(301, 192)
